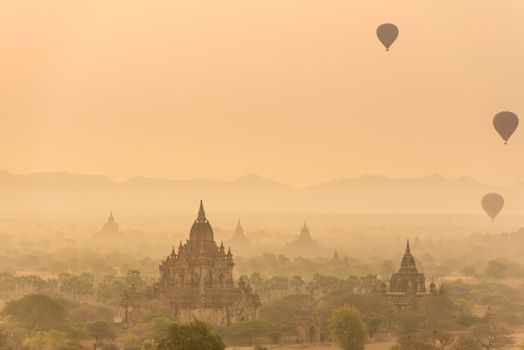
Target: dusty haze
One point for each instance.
(333, 174)
(298, 91)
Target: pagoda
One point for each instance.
(197, 280)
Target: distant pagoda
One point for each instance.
(304, 244)
(110, 228)
(239, 240)
(335, 260)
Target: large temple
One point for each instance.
(408, 279)
(197, 281)
(408, 282)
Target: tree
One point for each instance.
(256, 280)
(436, 310)
(492, 335)
(85, 313)
(369, 283)
(296, 282)
(465, 315)
(85, 285)
(111, 287)
(54, 339)
(347, 328)
(195, 335)
(466, 342)
(110, 346)
(7, 284)
(134, 279)
(468, 271)
(425, 340)
(253, 328)
(277, 283)
(35, 312)
(100, 330)
(4, 340)
(496, 269)
(407, 321)
(282, 312)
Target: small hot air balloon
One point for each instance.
(506, 123)
(492, 203)
(387, 34)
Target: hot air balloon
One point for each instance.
(387, 34)
(506, 123)
(492, 203)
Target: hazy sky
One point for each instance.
(300, 91)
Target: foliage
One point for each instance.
(85, 313)
(76, 286)
(407, 321)
(191, 336)
(496, 269)
(424, 340)
(372, 306)
(100, 330)
(253, 328)
(53, 339)
(110, 346)
(35, 312)
(436, 311)
(466, 342)
(347, 328)
(153, 328)
(492, 335)
(282, 312)
(468, 271)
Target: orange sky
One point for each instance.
(300, 91)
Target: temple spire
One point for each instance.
(201, 212)
(408, 251)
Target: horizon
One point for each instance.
(261, 177)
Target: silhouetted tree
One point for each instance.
(195, 335)
(100, 330)
(347, 328)
(496, 269)
(35, 312)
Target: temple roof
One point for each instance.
(201, 229)
(408, 261)
(304, 231)
(111, 226)
(239, 231)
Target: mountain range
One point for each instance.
(62, 192)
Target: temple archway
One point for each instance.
(313, 335)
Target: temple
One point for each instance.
(408, 283)
(408, 279)
(239, 241)
(197, 280)
(110, 228)
(304, 244)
